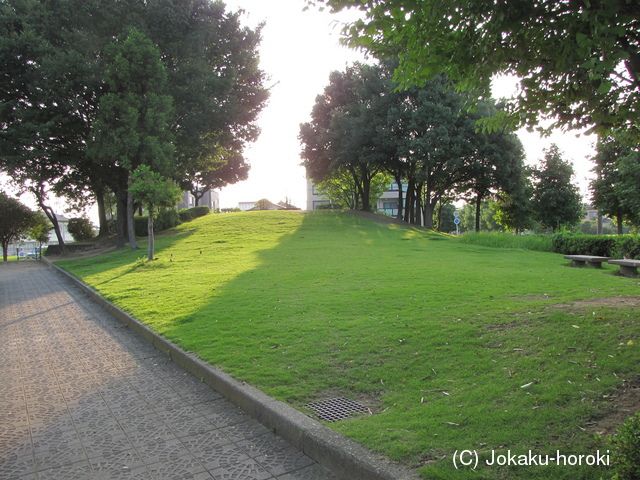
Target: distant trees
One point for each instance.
(86, 98)
(81, 229)
(616, 191)
(16, 220)
(556, 201)
(422, 136)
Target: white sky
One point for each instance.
(298, 51)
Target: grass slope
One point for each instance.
(453, 346)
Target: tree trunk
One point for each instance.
(121, 218)
(478, 203)
(131, 230)
(619, 217)
(48, 211)
(399, 183)
(5, 251)
(150, 234)
(102, 214)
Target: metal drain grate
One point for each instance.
(337, 409)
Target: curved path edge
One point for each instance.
(343, 457)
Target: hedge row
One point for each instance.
(187, 214)
(617, 246)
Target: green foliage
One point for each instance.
(577, 61)
(569, 243)
(364, 124)
(81, 229)
(617, 246)
(166, 218)
(628, 246)
(88, 96)
(140, 224)
(556, 201)
(16, 220)
(41, 228)
(626, 449)
(187, 214)
(614, 191)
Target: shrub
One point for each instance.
(619, 246)
(628, 246)
(81, 229)
(187, 214)
(626, 450)
(165, 219)
(140, 225)
(201, 211)
(576, 244)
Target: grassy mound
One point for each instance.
(452, 346)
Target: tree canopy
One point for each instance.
(76, 74)
(616, 191)
(422, 137)
(556, 201)
(578, 61)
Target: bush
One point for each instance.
(201, 211)
(628, 247)
(576, 244)
(81, 229)
(626, 450)
(164, 220)
(167, 218)
(618, 246)
(187, 214)
(140, 225)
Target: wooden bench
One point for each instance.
(628, 268)
(592, 261)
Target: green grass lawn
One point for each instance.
(452, 346)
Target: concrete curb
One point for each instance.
(343, 457)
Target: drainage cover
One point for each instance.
(337, 409)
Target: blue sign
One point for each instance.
(456, 221)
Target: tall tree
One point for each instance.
(16, 221)
(132, 126)
(579, 61)
(514, 209)
(557, 202)
(343, 131)
(610, 192)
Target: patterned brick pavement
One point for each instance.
(82, 397)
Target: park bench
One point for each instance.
(628, 268)
(593, 261)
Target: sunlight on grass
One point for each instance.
(436, 336)
(189, 270)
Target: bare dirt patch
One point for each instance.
(623, 403)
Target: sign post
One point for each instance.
(456, 220)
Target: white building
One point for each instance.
(387, 203)
(27, 247)
(210, 199)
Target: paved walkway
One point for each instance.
(82, 397)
